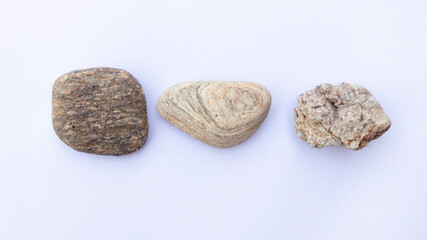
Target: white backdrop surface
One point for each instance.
(273, 186)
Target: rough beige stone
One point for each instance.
(221, 114)
(100, 110)
(339, 115)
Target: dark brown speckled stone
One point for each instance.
(100, 110)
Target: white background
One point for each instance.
(273, 186)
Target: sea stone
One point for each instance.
(100, 111)
(339, 115)
(221, 114)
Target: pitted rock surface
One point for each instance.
(339, 115)
(100, 111)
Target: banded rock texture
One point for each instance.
(100, 111)
(221, 114)
(339, 115)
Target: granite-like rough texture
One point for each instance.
(221, 114)
(339, 115)
(100, 111)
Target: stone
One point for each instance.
(100, 111)
(221, 114)
(345, 115)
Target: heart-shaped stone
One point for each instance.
(221, 114)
